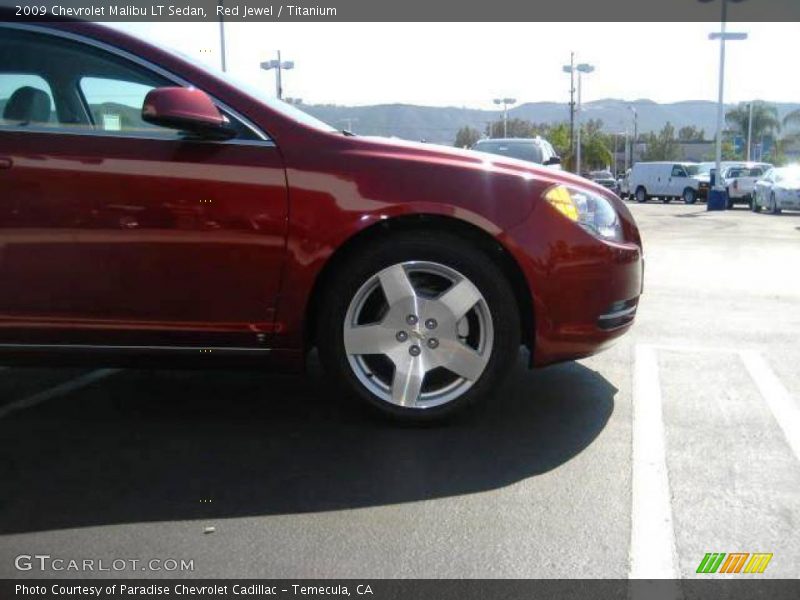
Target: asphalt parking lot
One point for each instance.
(683, 439)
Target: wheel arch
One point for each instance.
(492, 247)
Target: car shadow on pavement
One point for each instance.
(144, 446)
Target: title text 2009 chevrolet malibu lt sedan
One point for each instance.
(151, 209)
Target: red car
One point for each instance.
(153, 210)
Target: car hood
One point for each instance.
(470, 159)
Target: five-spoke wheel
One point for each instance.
(419, 325)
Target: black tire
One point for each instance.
(773, 205)
(729, 202)
(641, 195)
(435, 246)
(754, 205)
(689, 196)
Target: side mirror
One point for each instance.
(553, 160)
(187, 109)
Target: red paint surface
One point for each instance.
(114, 240)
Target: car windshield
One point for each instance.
(703, 168)
(280, 106)
(528, 151)
(601, 175)
(788, 175)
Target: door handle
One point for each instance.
(5, 163)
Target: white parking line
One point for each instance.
(652, 554)
(784, 408)
(54, 392)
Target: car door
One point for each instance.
(678, 181)
(659, 178)
(117, 232)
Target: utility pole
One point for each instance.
(349, 121)
(222, 40)
(635, 132)
(625, 151)
(722, 36)
(279, 66)
(505, 102)
(571, 102)
(749, 129)
(581, 68)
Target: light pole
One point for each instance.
(349, 121)
(635, 131)
(570, 68)
(581, 68)
(749, 129)
(279, 66)
(625, 152)
(506, 102)
(722, 36)
(222, 40)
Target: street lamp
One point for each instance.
(570, 68)
(722, 36)
(506, 102)
(635, 130)
(279, 66)
(581, 68)
(222, 40)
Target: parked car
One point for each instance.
(740, 180)
(779, 189)
(156, 212)
(536, 150)
(623, 184)
(667, 181)
(708, 168)
(606, 179)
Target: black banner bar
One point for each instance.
(749, 587)
(401, 10)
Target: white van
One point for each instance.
(668, 180)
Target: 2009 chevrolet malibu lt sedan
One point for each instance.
(154, 211)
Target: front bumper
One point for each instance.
(585, 291)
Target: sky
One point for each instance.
(469, 64)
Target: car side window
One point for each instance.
(18, 91)
(75, 86)
(116, 104)
(678, 171)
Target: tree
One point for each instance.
(516, 128)
(690, 133)
(594, 152)
(789, 121)
(662, 146)
(466, 137)
(765, 120)
(558, 136)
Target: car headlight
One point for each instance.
(589, 210)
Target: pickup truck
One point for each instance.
(740, 181)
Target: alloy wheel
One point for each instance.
(418, 334)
